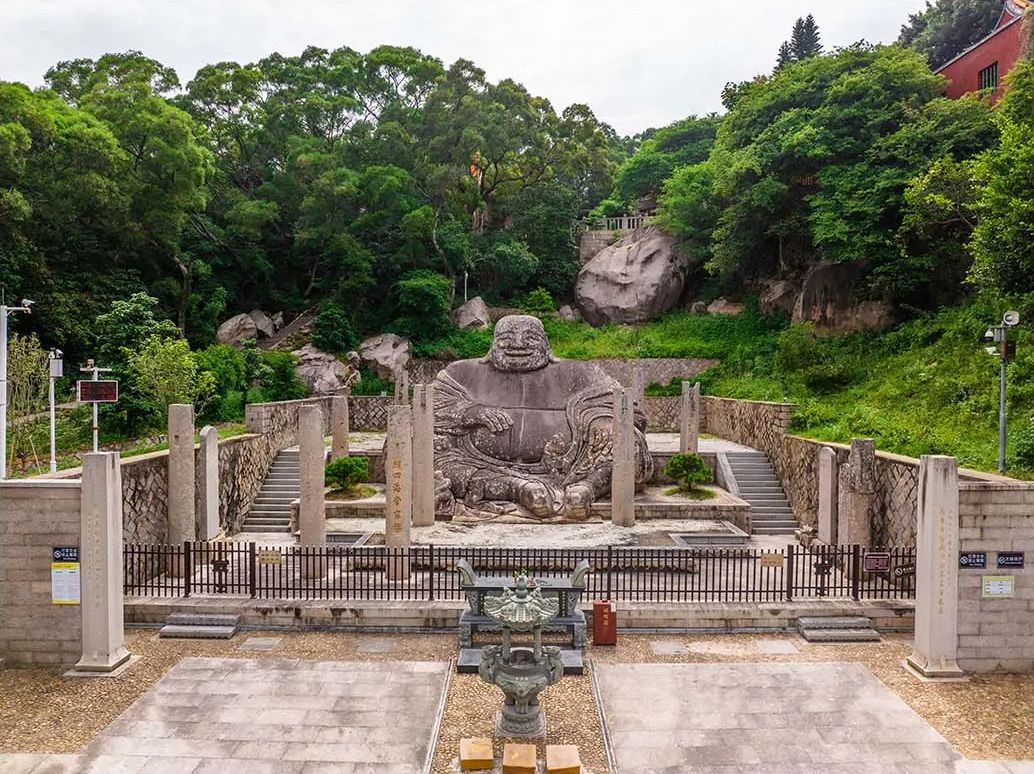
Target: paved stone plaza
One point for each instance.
(764, 718)
(271, 716)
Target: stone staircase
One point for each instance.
(758, 485)
(271, 511)
(837, 629)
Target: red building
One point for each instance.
(984, 65)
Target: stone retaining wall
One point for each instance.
(996, 634)
(37, 515)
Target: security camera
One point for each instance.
(1011, 319)
(56, 354)
(27, 303)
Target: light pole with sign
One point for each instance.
(5, 312)
(1005, 349)
(57, 370)
(96, 391)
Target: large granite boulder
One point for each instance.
(236, 330)
(778, 296)
(570, 312)
(263, 322)
(724, 306)
(636, 279)
(322, 372)
(472, 314)
(386, 354)
(827, 299)
(521, 433)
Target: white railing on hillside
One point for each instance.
(618, 223)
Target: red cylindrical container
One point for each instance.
(604, 623)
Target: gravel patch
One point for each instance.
(989, 717)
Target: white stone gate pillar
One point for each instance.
(208, 491)
(339, 421)
(423, 455)
(828, 478)
(937, 569)
(622, 478)
(398, 474)
(312, 522)
(689, 419)
(101, 556)
(181, 473)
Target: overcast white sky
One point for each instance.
(637, 64)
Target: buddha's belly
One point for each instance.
(526, 440)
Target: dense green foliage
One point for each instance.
(332, 330)
(329, 176)
(813, 163)
(688, 470)
(946, 28)
(345, 473)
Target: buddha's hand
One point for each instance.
(496, 420)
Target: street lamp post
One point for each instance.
(1004, 350)
(5, 312)
(57, 370)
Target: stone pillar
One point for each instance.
(101, 556)
(423, 455)
(312, 522)
(339, 421)
(689, 419)
(401, 385)
(639, 386)
(208, 484)
(855, 491)
(937, 569)
(622, 479)
(181, 473)
(398, 474)
(828, 475)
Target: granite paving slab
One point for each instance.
(269, 716)
(764, 718)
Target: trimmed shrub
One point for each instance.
(688, 470)
(345, 473)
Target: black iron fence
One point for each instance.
(429, 572)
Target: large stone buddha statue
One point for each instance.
(521, 432)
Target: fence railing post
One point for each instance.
(790, 556)
(252, 569)
(610, 569)
(856, 571)
(188, 569)
(430, 572)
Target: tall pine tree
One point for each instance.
(804, 42)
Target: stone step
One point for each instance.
(757, 478)
(264, 528)
(203, 619)
(834, 622)
(761, 490)
(267, 522)
(274, 500)
(840, 635)
(773, 530)
(771, 509)
(271, 510)
(198, 632)
(780, 518)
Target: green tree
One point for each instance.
(1003, 239)
(804, 43)
(332, 330)
(689, 470)
(164, 371)
(946, 28)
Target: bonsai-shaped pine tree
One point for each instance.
(346, 473)
(688, 470)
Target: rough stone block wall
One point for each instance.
(145, 498)
(662, 414)
(36, 516)
(243, 463)
(369, 413)
(593, 241)
(996, 634)
(758, 424)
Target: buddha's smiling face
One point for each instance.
(520, 344)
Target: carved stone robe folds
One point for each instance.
(561, 434)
